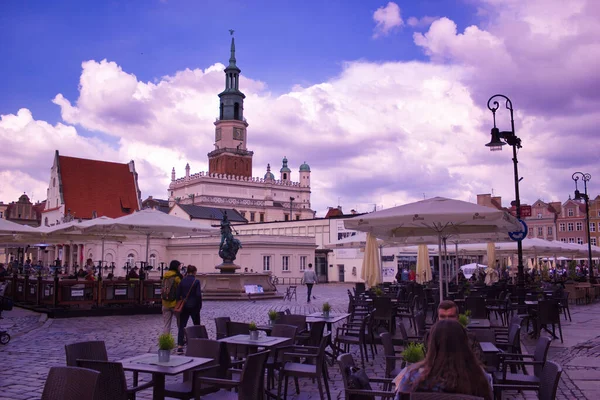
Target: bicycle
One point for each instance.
(5, 305)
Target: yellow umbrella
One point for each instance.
(423, 265)
(529, 264)
(491, 254)
(371, 271)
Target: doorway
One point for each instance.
(341, 274)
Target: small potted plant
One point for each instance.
(413, 353)
(166, 343)
(463, 320)
(326, 309)
(272, 317)
(378, 292)
(253, 331)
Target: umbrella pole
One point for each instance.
(440, 269)
(456, 254)
(446, 258)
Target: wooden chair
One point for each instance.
(196, 332)
(221, 325)
(537, 360)
(315, 370)
(249, 385)
(547, 387)
(112, 384)
(190, 386)
(93, 350)
(70, 383)
(346, 365)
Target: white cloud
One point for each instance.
(387, 18)
(422, 22)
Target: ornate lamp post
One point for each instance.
(578, 196)
(499, 139)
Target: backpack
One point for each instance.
(169, 290)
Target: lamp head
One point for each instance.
(495, 144)
(578, 195)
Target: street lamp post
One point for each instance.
(499, 139)
(578, 196)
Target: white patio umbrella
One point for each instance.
(371, 269)
(469, 269)
(437, 216)
(11, 228)
(149, 223)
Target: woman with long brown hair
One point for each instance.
(449, 366)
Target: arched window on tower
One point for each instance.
(221, 111)
(235, 166)
(236, 111)
(284, 176)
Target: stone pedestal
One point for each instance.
(227, 267)
(231, 286)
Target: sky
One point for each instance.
(386, 101)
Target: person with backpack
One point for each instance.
(190, 293)
(170, 282)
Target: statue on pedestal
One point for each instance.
(229, 245)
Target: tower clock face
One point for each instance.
(238, 134)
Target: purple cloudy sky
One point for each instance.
(398, 116)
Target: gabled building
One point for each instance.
(543, 220)
(24, 212)
(82, 188)
(571, 222)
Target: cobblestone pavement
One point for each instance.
(38, 344)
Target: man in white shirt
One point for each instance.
(310, 279)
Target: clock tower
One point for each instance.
(231, 156)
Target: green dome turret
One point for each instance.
(269, 175)
(284, 167)
(304, 167)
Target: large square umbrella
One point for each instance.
(149, 223)
(436, 216)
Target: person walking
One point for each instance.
(189, 291)
(310, 279)
(170, 281)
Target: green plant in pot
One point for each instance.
(463, 320)
(413, 353)
(272, 316)
(253, 331)
(166, 343)
(378, 291)
(326, 309)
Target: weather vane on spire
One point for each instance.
(231, 32)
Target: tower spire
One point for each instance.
(232, 57)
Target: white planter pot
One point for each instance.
(164, 355)
(326, 314)
(253, 335)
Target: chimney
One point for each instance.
(94, 214)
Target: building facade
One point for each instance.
(543, 220)
(595, 221)
(229, 183)
(571, 223)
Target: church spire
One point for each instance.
(232, 57)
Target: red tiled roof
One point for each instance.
(334, 212)
(90, 185)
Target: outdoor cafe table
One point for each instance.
(149, 363)
(262, 341)
(488, 347)
(479, 324)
